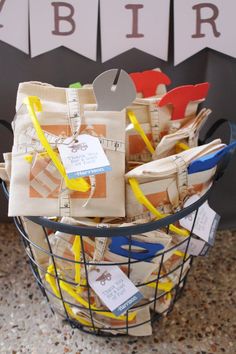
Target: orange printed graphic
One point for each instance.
(45, 180)
(40, 173)
(157, 199)
(137, 145)
(59, 130)
(161, 199)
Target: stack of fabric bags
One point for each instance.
(110, 154)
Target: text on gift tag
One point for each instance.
(114, 288)
(83, 156)
(206, 222)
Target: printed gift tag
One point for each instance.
(206, 222)
(114, 289)
(83, 157)
(195, 247)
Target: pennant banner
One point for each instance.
(72, 24)
(14, 27)
(127, 24)
(201, 24)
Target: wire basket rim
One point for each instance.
(117, 231)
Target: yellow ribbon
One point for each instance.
(76, 184)
(76, 248)
(69, 289)
(165, 286)
(52, 282)
(140, 130)
(139, 195)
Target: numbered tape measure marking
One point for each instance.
(107, 144)
(73, 109)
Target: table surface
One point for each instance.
(203, 321)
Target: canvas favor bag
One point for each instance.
(76, 294)
(56, 99)
(34, 232)
(63, 247)
(161, 186)
(150, 83)
(184, 138)
(40, 183)
(163, 115)
(139, 324)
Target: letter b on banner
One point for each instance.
(58, 18)
(72, 24)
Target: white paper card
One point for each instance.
(83, 157)
(195, 247)
(130, 24)
(206, 222)
(114, 288)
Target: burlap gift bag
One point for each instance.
(152, 118)
(37, 187)
(162, 186)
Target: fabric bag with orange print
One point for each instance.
(161, 186)
(150, 119)
(39, 185)
(184, 138)
(150, 86)
(35, 232)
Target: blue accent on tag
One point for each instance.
(121, 309)
(149, 249)
(207, 162)
(90, 172)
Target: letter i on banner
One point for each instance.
(14, 26)
(203, 24)
(127, 24)
(72, 24)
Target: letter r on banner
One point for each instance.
(203, 24)
(59, 18)
(210, 20)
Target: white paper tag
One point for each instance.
(206, 222)
(195, 247)
(83, 157)
(114, 288)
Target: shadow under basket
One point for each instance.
(49, 246)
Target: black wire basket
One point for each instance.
(89, 315)
(161, 301)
